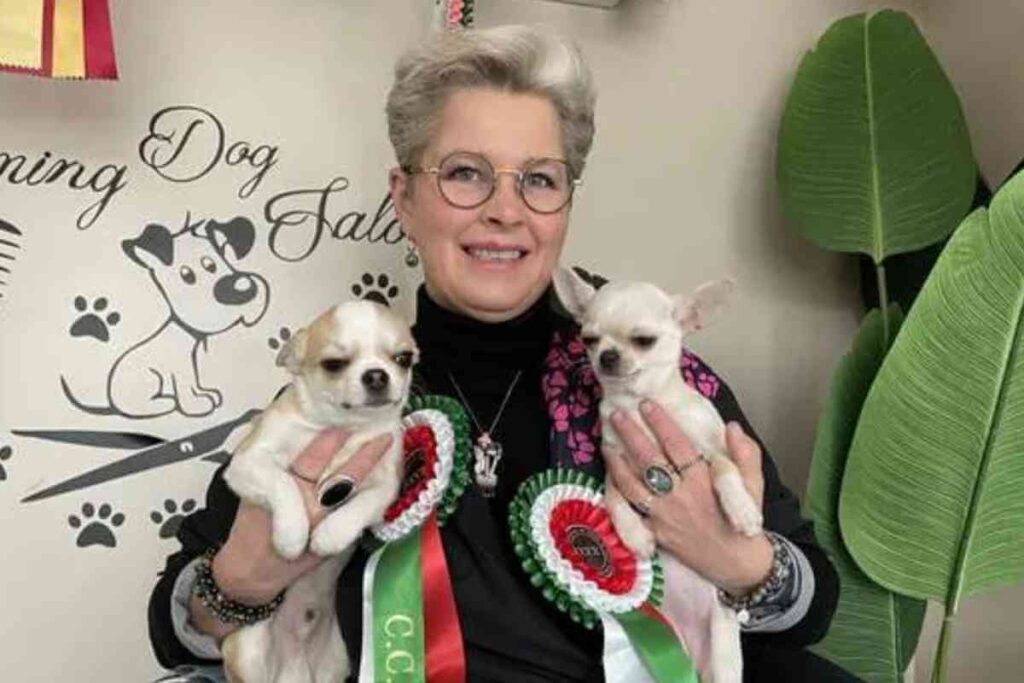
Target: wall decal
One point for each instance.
(98, 529)
(308, 210)
(91, 320)
(194, 271)
(170, 519)
(278, 341)
(377, 289)
(5, 454)
(106, 180)
(185, 143)
(9, 246)
(155, 452)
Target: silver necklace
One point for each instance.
(486, 451)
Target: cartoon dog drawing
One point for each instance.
(194, 270)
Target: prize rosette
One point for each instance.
(563, 535)
(410, 625)
(435, 453)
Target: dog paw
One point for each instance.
(324, 543)
(634, 533)
(380, 290)
(97, 530)
(92, 321)
(202, 403)
(283, 335)
(171, 521)
(740, 509)
(5, 454)
(290, 540)
(215, 396)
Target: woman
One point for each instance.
(491, 130)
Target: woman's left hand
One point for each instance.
(687, 521)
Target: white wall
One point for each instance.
(679, 189)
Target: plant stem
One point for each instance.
(939, 670)
(883, 303)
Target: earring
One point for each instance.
(412, 258)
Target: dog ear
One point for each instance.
(238, 233)
(294, 350)
(153, 248)
(573, 291)
(692, 313)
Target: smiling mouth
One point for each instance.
(495, 255)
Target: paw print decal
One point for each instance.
(170, 519)
(5, 455)
(92, 321)
(283, 335)
(377, 289)
(97, 529)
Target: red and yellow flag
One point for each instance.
(57, 38)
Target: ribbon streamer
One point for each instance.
(411, 629)
(57, 38)
(567, 544)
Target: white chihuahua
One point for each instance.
(351, 369)
(633, 332)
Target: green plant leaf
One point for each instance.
(874, 632)
(931, 504)
(874, 153)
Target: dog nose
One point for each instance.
(235, 289)
(375, 381)
(609, 359)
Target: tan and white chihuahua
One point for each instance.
(351, 368)
(633, 333)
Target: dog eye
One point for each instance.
(187, 275)
(208, 264)
(589, 340)
(403, 359)
(643, 341)
(333, 365)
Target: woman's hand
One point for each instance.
(688, 521)
(247, 568)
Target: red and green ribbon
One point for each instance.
(411, 628)
(567, 544)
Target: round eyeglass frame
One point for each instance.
(519, 174)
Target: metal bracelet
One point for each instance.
(782, 566)
(224, 608)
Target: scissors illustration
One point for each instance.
(155, 452)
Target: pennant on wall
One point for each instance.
(57, 38)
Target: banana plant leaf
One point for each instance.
(874, 154)
(874, 632)
(931, 503)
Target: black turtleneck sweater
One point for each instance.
(511, 632)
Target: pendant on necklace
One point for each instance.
(486, 456)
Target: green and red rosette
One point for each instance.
(564, 536)
(410, 626)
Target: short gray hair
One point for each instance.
(519, 59)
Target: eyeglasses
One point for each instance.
(466, 180)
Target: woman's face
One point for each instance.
(467, 254)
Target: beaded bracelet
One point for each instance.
(224, 608)
(782, 562)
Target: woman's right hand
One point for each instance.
(247, 568)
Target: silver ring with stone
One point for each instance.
(658, 480)
(336, 492)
